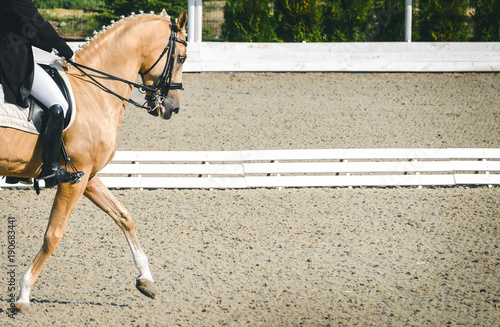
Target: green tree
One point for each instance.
(443, 20)
(248, 21)
(117, 8)
(69, 4)
(346, 20)
(487, 20)
(298, 20)
(387, 21)
(363, 20)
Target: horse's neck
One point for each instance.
(116, 52)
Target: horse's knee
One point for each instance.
(125, 222)
(50, 242)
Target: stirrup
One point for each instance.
(60, 176)
(77, 177)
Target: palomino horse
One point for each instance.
(134, 44)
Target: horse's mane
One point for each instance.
(98, 37)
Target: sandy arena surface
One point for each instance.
(265, 257)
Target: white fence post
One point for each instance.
(195, 15)
(199, 20)
(408, 16)
(191, 14)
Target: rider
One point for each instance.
(21, 27)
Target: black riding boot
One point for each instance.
(52, 172)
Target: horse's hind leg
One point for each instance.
(67, 197)
(98, 193)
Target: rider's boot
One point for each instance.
(52, 172)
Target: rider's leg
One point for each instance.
(45, 90)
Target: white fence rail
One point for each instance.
(335, 57)
(343, 57)
(301, 168)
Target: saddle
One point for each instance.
(37, 109)
(32, 119)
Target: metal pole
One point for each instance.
(408, 14)
(191, 20)
(199, 21)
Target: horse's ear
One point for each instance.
(164, 13)
(181, 22)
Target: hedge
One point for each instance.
(360, 20)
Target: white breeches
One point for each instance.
(45, 90)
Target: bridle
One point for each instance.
(156, 93)
(164, 83)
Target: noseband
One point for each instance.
(156, 92)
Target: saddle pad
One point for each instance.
(14, 116)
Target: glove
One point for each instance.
(66, 52)
(68, 64)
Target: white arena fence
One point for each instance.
(301, 168)
(335, 57)
(344, 57)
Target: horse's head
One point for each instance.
(162, 68)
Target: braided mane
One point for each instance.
(114, 24)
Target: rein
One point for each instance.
(163, 84)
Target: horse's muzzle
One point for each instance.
(168, 107)
(165, 109)
(167, 113)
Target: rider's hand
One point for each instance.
(67, 63)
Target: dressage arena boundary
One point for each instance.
(334, 57)
(301, 168)
(343, 57)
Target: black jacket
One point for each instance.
(21, 27)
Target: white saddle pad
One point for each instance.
(14, 116)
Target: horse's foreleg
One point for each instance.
(67, 197)
(100, 195)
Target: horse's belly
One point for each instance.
(20, 152)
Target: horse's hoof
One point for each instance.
(145, 287)
(22, 307)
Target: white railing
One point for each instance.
(335, 57)
(344, 57)
(301, 168)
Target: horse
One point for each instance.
(144, 43)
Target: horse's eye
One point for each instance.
(181, 58)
